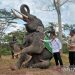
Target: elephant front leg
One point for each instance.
(43, 64)
(24, 57)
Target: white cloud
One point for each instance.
(14, 27)
(68, 12)
(9, 4)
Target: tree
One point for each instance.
(66, 27)
(69, 27)
(56, 5)
(5, 21)
(19, 34)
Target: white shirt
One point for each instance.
(56, 44)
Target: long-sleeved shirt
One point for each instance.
(56, 44)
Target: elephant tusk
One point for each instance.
(20, 13)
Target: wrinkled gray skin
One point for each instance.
(33, 45)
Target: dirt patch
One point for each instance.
(6, 62)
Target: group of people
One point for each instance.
(57, 48)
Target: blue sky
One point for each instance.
(67, 10)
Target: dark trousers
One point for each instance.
(72, 58)
(57, 58)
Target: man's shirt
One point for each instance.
(72, 43)
(56, 44)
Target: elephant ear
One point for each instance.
(25, 9)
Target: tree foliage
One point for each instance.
(5, 48)
(6, 19)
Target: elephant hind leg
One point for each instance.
(43, 64)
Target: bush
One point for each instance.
(64, 48)
(5, 50)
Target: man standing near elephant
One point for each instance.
(71, 47)
(56, 48)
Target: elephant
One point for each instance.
(34, 51)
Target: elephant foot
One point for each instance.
(13, 67)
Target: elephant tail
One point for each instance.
(25, 9)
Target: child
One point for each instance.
(56, 47)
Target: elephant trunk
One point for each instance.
(25, 9)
